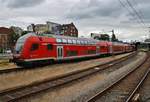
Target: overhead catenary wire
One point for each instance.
(136, 12)
(133, 12)
(140, 12)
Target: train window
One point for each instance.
(34, 47)
(82, 42)
(89, 42)
(94, 42)
(78, 42)
(86, 42)
(49, 46)
(64, 40)
(74, 41)
(91, 51)
(69, 41)
(72, 53)
(58, 40)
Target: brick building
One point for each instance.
(54, 28)
(5, 34)
(69, 30)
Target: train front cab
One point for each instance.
(31, 49)
(20, 50)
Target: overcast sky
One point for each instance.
(88, 15)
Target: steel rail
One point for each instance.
(138, 86)
(96, 96)
(19, 69)
(17, 93)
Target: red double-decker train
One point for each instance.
(32, 48)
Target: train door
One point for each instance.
(110, 49)
(59, 52)
(97, 49)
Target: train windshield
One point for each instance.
(21, 41)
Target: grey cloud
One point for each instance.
(142, 7)
(22, 3)
(88, 15)
(94, 8)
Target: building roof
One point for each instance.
(53, 23)
(68, 24)
(4, 30)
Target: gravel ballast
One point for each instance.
(81, 91)
(28, 77)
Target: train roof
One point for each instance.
(71, 38)
(66, 37)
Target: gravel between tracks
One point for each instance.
(145, 90)
(79, 92)
(27, 77)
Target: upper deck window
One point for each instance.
(86, 42)
(58, 40)
(69, 41)
(78, 42)
(74, 42)
(64, 40)
(81, 42)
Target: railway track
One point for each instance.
(142, 94)
(24, 91)
(124, 88)
(19, 69)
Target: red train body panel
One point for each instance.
(32, 48)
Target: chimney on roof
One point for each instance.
(33, 27)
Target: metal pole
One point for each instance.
(149, 33)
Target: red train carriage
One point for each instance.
(31, 48)
(118, 48)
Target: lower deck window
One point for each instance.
(72, 53)
(34, 47)
(49, 46)
(91, 51)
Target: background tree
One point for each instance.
(97, 37)
(25, 32)
(13, 39)
(113, 38)
(102, 37)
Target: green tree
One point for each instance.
(13, 38)
(104, 37)
(24, 32)
(113, 38)
(97, 37)
(1, 50)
